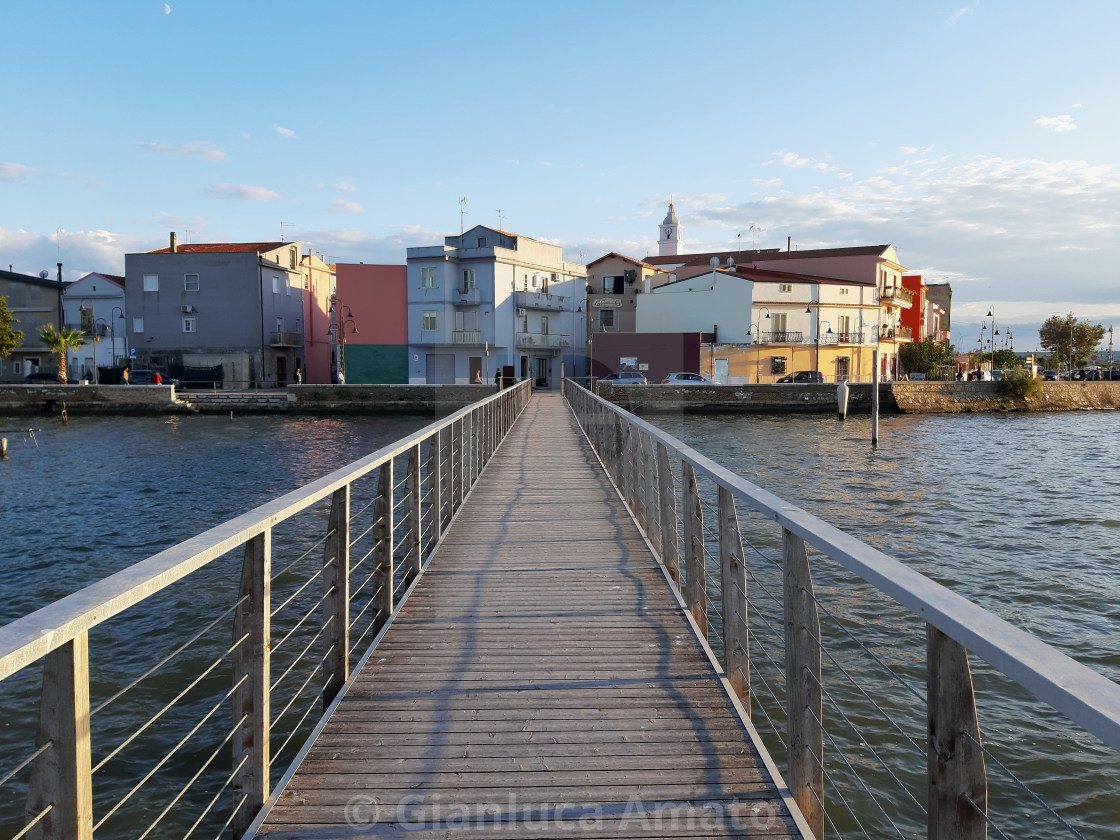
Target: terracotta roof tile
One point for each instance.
(224, 248)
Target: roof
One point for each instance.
(112, 278)
(622, 257)
(15, 276)
(770, 254)
(671, 216)
(764, 275)
(225, 248)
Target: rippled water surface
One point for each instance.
(1017, 512)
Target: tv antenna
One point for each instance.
(284, 225)
(756, 230)
(499, 218)
(462, 212)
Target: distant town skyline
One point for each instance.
(977, 138)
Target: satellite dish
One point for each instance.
(713, 262)
(44, 274)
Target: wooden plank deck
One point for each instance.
(541, 681)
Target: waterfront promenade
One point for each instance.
(541, 681)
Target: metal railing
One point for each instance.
(859, 669)
(193, 739)
(528, 339)
(781, 337)
(466, 337)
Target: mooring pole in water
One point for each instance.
(842, 399)
(65, 416)
(3, 449)
(231, 417)
(874, 397)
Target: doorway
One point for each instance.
(541, 379)
(281, 370)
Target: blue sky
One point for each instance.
(980, 139)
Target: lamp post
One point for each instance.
(757, 337)
(1110, 353)
(112, 323)
(1071, 347)
(991, 314)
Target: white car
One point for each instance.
(684, 378)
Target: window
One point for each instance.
(613, 284)
(466, 321)
(190, 282)
(778, 322)
(138, 326)
(468, 279)
(482, 242)
(606, 319)
(188, 324)
(785, 288)
(536, 280)
(427, 278)
(844, 290)
(844, 325)
(544, 325)
(291, 258)
(843, 368)
(275, 284)
(151, 282)
(429, 320)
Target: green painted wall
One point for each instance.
(377, 364)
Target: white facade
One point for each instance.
(669, 238)
(490, 299)
(716, 301)
(102, 299)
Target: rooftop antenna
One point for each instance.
(58, 242)
(499, 218)
(284, 225)
(462, 212)
(583, 256)
(187, 236)
(756, 230)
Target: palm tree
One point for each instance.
(59, 343)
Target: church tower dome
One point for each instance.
(669, 239)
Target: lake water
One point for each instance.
(1018, 512)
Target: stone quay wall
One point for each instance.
(90, 399)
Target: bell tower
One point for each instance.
(669, 240)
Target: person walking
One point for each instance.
(299, 377)
(124, 376)
(498, 378)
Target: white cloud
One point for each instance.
(796, 161)
(13, 171)
(341, 206)
(957, 15)
(283, 132)
(167, 8)
(242, 192)
(83, 251)
(1062, 122)
(200, 149)
(345, 186)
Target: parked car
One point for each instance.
(804, 377)
(144, 377)
(683, 378)
(625, 377)
(41, 377)
(1050, 375)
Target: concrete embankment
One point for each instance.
(894, 397)
(90, 399)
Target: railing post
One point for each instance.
(457, 465)
(695, 594)
(60, 777)
(650, 488)
(733, 586)
(670, 550)
(383, 602)
(954, 762)
(251, 632)
(435, 480)
(805, 735)
(412, 511)
(336, 598)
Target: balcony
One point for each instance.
(781, 337)
(466, 297)
(542, 340)
(842, 338)
(897, 297)
(285, 339)
(896, 334)
(466, 337)
(539, 300)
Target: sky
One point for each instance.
(980, 139)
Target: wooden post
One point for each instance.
(733, 586)
(252, 620)
(383, 602)
(954, 763)
(695, 593)
(670, 550)
(412, 512)
(336, 600)
(804, 735)
(874, 397)
(435, 472)
(60, 777)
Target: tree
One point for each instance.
(924, 356)
(60, 343)
(1005, 359)
(10, 337)
(1067, 336)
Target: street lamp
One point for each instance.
(991, 314)
(757, 337)
(112, 323)
(1110, 353)
(1071, 347)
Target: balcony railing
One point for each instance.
(467, 297)
(539, 300)
(466, 337)
(781, 337)
(285, 339)
(542, 340)
(895, 334)
(899, 295)
(842, 338)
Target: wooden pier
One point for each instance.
(542, 680)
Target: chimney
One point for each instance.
(174, 243)
(789, 244)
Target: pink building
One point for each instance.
(369, 312)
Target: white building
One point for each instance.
(669, 239)
(490, 299)
(719, 301)
(94, 305)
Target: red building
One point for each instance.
(369, 318)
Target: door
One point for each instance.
(542, 372)
(440, 368)
(281, 370)
(719, 372)
(474, 365)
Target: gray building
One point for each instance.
(34, 302)
(238, 305)
(489, 299)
